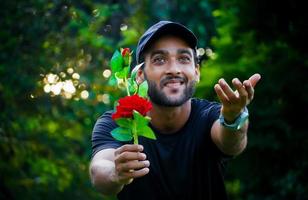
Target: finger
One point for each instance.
(128, 156)
(124, 180)
(136, 173)
(126, 175)
(221, 95)
(131, 166)
(129, 181)
(129, 147)
(254, 79)
(249, 89)
(242, 93)
(227, 90)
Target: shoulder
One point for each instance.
(106, 115)
(104, 123)
(105, 118)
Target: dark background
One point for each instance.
(53, 86)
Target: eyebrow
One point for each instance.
(155, 52)
(165, 52)
(182, 51)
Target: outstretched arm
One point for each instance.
(233, 142)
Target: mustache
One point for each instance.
(168, 79)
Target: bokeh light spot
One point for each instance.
(84, 94)
(107, 73)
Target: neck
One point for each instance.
(170, 119)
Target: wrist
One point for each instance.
(230, 116)
(115, 184)
(237, 123)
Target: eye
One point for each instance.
(184, 59)
(159, 60)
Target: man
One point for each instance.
(194, 137)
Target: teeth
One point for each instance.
(174, 81)
(173, 84)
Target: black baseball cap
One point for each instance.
(164, 28)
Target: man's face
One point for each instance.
(170, 71)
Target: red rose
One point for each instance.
(127, 104)
(125, 52)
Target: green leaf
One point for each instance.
(116, 62)
(124, 122)
(143, 89)
(142, 127)
(126, 71)
(122, 73)
(132, 86)
(146, 131)
(122, 134)
(139, 119)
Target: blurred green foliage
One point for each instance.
(54, 57)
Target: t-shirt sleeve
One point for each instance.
(209, 112)
(101, 134)
(213, 113)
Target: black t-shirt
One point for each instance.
(183, 165)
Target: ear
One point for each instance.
(139, 76)
(197, 73)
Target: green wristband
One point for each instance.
(238, 123)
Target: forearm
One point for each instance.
(229, 141)
(102, 174)
(233, 114)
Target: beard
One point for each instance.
(158, 97)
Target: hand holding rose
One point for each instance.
(130, 163)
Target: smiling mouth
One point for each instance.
(173, 83)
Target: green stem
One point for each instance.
(136, 92)
(135, 136)
(126, 85)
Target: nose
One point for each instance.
(173, 67)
